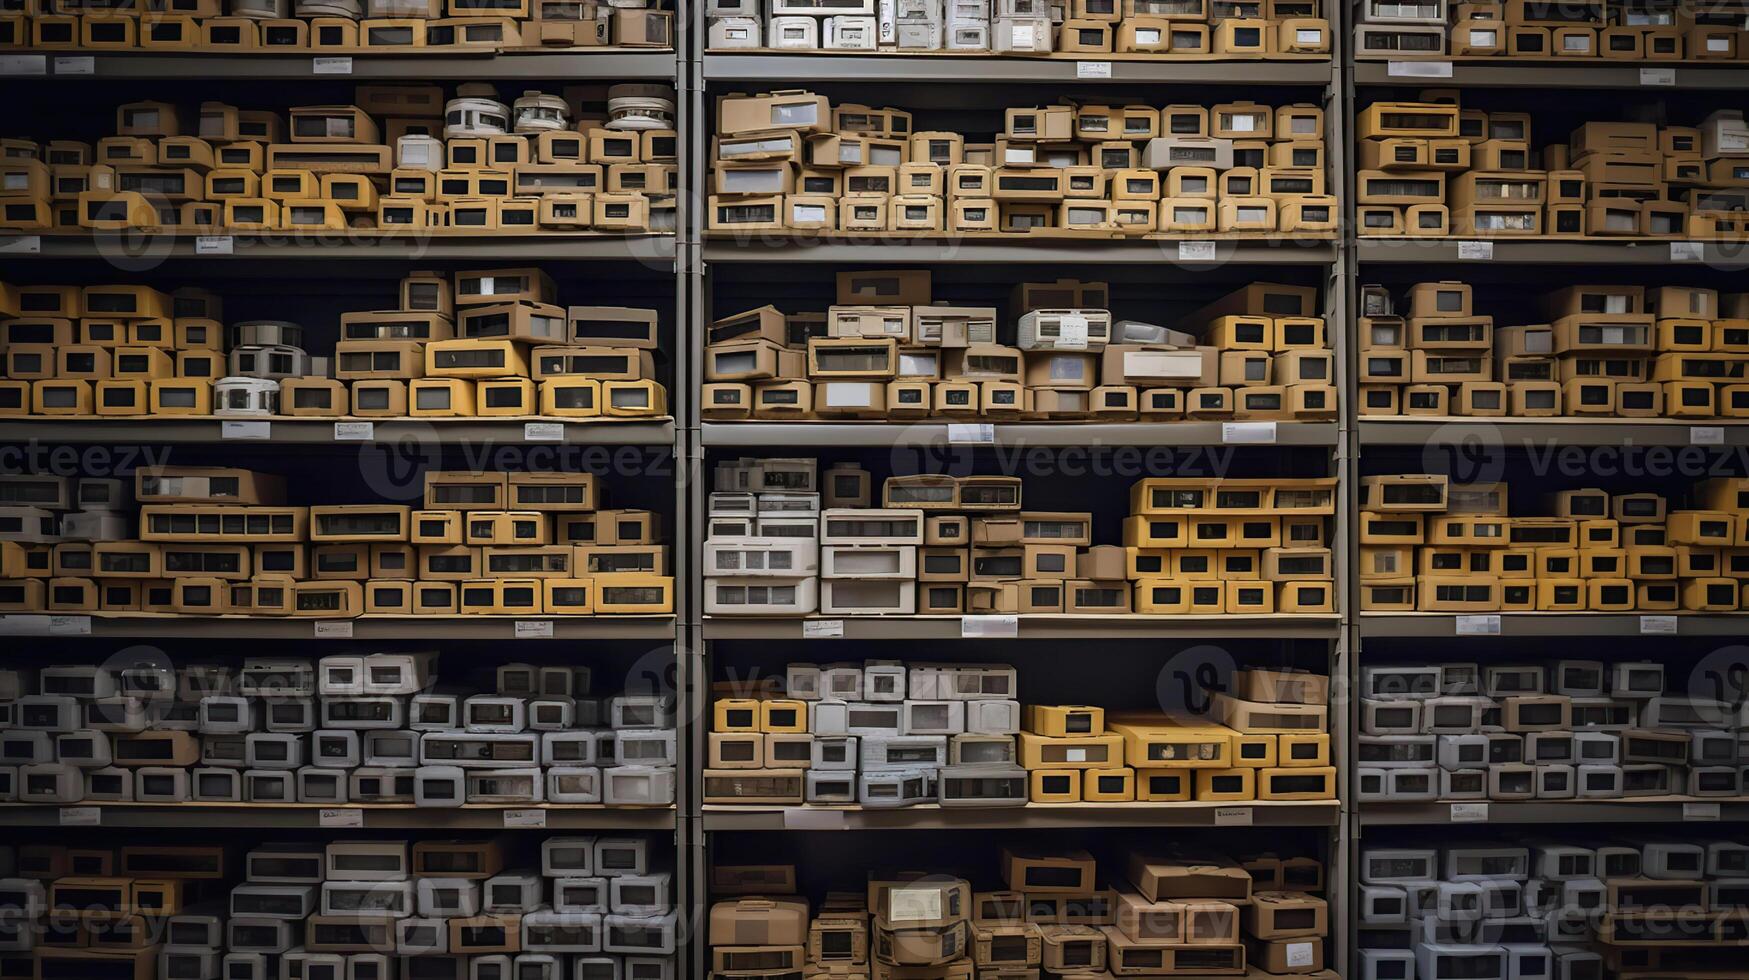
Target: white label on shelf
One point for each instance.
(1476, 251)
(355, 431)
(1299, 954)
(1488, 625)
(1072, 332)
(330, 66)
(1657, 76)
(1248, 433)
(525, 818)
(1418, 69)
(1687, 252)
(822, 629)
(544, 431)
(22, 244)
(24, 64)
(812, 818)
(1469, 813)
(1074, 755)
(212, 245)
(334, 629)
(69, 625)
(971, 433)
(1196, 251)
(1092, 69)
(81, 816)
(346, 816)
(1706, 435)
(534, 629)
(976, 627)
(235, 429)
(1233, 816)
(76, 66)
(1658, 624)
(28, 625)
(1700, 811)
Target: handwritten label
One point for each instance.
(534, 629)
(69, 625)
(338, 629)
(812, 818)
(213, 245)
(971, 434)
(1687, 252)
(1659, 625)
(1196, 251)
(1700, 811)
(340, 817)
(1072, 332)
(24, 64)
(330, 66)
(1418, 69)
(1233, 816)
(1478, 625)
(822, 629)
(22, 244)
(355, 431)
(76, 66)
(1469, 813)
(235, 429)
(1092, 69)
(81, 816)
(1476, 251)
(1706, 435)
(1248, 433)
(1657, 76)
(1299, 954)
(544, 431)
(989, 627)
(525, 818)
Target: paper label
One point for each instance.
(1469, 813)
(22, 244)
(1233, 816)
(914, 904)
(807, 214)
(1706, 435)
(1242, 123)
(1020, 36)
(1488, 625)
(1657, 76)
(1476, 251)
(236, 429)
(1483, 39)
(822, 629)
(212, 245)
(1248, 433)
(340, 817)
(330, 66)
(338, 629)
(849, 394)
(534, 629)
(1196, 251)
(971, 433)
(1092, 69)
(1072, 333)
(24, 64)
(1311, 35)
(1299, 954)
(1660, 625)
(544, 431)
(355, 431)
(1717, 45)
(1687, 252)
(525, 818)
(76, 66)
(81, 816)
(984, 627)
(1418, 69)
(1074, 755)
(69, 625)
(1700, 811)
(812, 818)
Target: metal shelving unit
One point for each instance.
(1591, 73)
(1552, 624)
(1655, 809)
(1015, 434)
(360, 65)
(1034, 249)
(1033, 816)
(423, 628)
(340, 247)
(265, 816)
(1310, 70)
(1041, 626)
(1507, 252)
(179, 430)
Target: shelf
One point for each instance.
(1039, 626)
(1555, 624)
(1014, 435)
(996, 248)
(1651, 809)
(1591, 73)
(1551, 251)
(128, 247)
(482, 65)
(1526, 433)
(173, 430)
(813, 68)
(1261, 813)
(378, 816)
(362, 628)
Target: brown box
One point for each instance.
(1165, 877)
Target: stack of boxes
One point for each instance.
(595, 909)
(490, 343)
(888, 351)
(1572, 908)
(1431, 546)
(1160, 28)
(355, 728)
(1539, 29)
(1605, 352)
(1433, 168)
(1579, 729)
(339, 26)
(215, 540)
(400, 159)
(793, 162)
(1055, 915)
